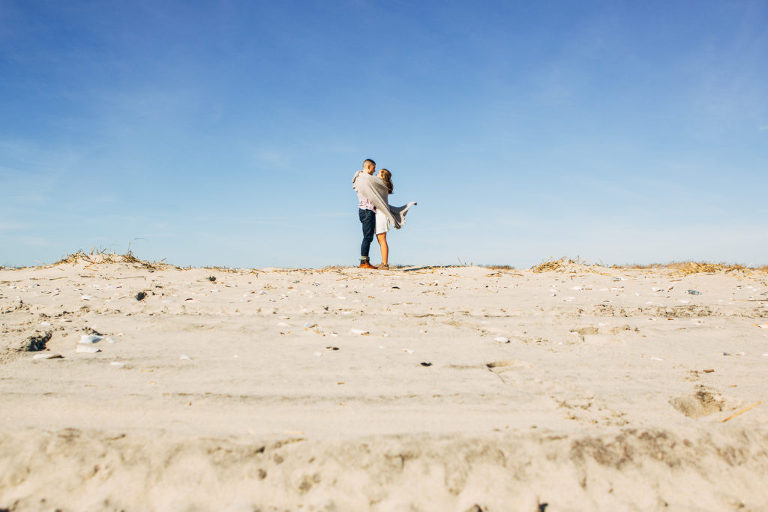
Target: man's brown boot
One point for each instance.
(365, 264)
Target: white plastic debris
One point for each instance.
(87, 349)
(88, 339)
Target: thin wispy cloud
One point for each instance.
(522, 131)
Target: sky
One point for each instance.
(227, 132)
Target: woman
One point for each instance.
(382, 222)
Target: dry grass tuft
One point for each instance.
(694, 267)
(686, 268)
(100, 257)
(565, 265)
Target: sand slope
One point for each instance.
(417, 389)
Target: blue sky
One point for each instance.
(226, 133)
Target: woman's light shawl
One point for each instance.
(375, 190)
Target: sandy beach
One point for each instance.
(132, 386)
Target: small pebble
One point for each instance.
(502, 339)
(87, 349)
(88, 339)
(359, 332)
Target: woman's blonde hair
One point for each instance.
(387, 177)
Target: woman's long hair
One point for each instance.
(387, 177)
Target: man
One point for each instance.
(367, 213)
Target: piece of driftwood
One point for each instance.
(742, 411)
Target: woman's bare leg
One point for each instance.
(382, 238)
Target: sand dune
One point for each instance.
(462, 388)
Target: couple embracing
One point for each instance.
(376, 214)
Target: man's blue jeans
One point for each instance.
(368, 220)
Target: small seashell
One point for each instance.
(87, 349)
(88, 339)
(45, 324)
(117, 364)
(86, 297)
(48, 355)
(359, 332)
(185, 357)
(502, 339)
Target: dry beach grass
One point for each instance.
(566, 386)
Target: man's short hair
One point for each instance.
(367, 160)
